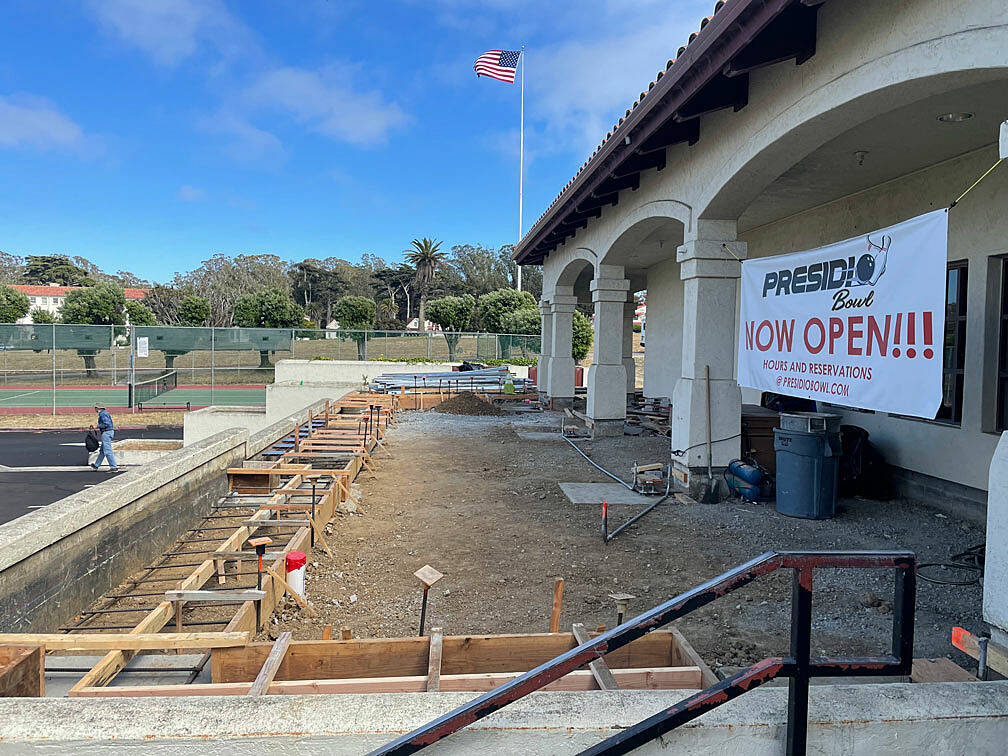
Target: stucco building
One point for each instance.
(786, 125)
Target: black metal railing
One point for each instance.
(798, 666)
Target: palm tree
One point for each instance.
(425, 257)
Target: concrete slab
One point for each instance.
(596, 493)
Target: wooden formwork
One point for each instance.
(281, 488)
(659, 660)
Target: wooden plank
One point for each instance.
(271, 665)
(239, 597)
(685, 655)
(434, 661)
(558, 588)
(660, 678)
(461, 654)
(939, 670)
(599, 669)
(22, 672)
(130, 641)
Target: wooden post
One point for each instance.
(558, 588)
(327, 630)
(345, 633)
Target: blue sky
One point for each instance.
(148, 135)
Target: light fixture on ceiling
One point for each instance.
(860, 155)
(955, 117)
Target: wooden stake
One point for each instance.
(558, 588)
(271, 666)
(327, 630)
(284, 587)
(345, 633)
(434, 661)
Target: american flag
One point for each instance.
(498, 64)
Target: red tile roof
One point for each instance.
(38, 290)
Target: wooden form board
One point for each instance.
(147, 641)
(667, 678)
(22, 672)
(406, 657)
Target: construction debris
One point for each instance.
(468, 404)
(486, 381)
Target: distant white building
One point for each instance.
(49, 297)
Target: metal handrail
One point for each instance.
(798, 666)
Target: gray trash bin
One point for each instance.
(808, 451)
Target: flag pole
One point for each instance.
(521, 160)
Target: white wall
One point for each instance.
(978, 231)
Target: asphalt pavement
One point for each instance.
(30, 477)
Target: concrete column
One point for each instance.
(561, 365)
(995, 592)
(663, 353)
(629, 365)
(546, 350)
(607, 380)
(710, 277)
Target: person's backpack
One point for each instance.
(92, 440)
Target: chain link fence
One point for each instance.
(37, 357)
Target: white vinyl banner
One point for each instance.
(859, 323)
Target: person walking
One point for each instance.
(107, 430)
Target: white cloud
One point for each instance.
(170, 31)
(326, 102)
(188, 193)
(249, 143)
(27, 121)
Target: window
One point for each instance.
(1002, 368)
(954, 364)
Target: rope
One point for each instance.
(973, 185)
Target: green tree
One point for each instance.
(101, 304)
(42, 317)
(139, 314)
(193, 311)
(12, 268)
(493, 308)
(269, 308)
(453, 315)
(425, 256)
(223, 280)
(357, 316)
(316, 288)
(525, 325)
(14, 304)
(581, 340)
(44, 269)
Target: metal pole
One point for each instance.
(54, 370)
(801, 642)
(423, 610)
(521, 160)
(211, 363)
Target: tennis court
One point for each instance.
(21, 397)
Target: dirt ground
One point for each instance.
(469, 497)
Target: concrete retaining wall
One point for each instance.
(203, 423)
(891, 719)
(354, 372)
(57, 560)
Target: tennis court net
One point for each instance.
(143, 392)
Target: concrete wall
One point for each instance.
(978, 232)
(203, 423)
(896, 719)
(995, 595)
(56, 560)
(349, 372)
(285, 399)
